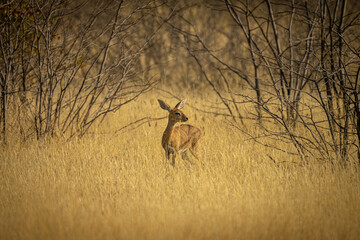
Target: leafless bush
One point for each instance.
(304, 59)
(66, 65)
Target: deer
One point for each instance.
(177, 140)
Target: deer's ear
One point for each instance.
(163, 105)
(181, 104)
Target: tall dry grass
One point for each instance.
(111, 185)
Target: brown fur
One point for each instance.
(178, 139)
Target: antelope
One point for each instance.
(177, 140)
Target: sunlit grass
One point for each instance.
(111, 185)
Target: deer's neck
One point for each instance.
(168, 132)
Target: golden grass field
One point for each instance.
(110, 185)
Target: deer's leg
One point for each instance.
(185, 156)
(167, 154)
(194, 152)
(173, 159)
(195, 149)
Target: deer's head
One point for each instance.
(175, 114)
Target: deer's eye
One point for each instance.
(177, 113)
